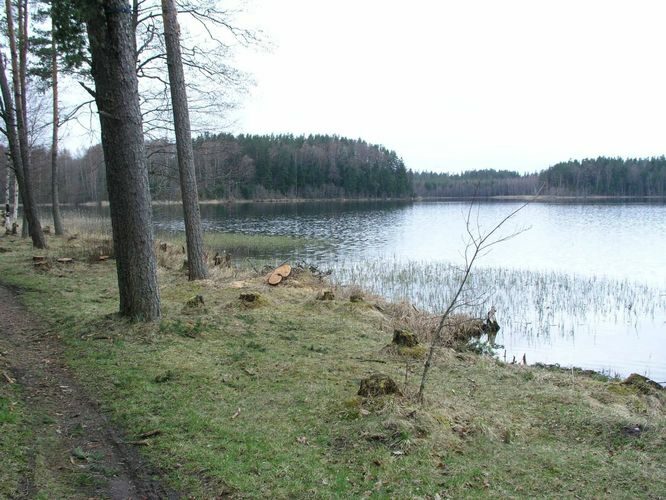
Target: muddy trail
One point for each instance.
(73, 444)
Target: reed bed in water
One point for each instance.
(530, 303)
(238, 245)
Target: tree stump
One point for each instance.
(249, 297)
(377, 385)
(195, 302)
(404, 338)
(643, 384)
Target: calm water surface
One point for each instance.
(582, 284)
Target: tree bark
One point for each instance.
(113, 47)
(16, 120)
(55, 201)
(196, 262)
(16, 199)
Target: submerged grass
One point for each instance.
(260, 401)
(243, 245)
(539, 310)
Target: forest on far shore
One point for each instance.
(328, 166)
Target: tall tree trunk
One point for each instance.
(196, 261)
(113, 48)
(16, 199)
(18, 122)
(7, 200)
(8, 183)
(55, 202)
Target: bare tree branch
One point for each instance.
(477, 245)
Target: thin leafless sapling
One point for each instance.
(478, 244)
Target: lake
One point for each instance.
(581, 284)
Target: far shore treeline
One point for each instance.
(259, 167)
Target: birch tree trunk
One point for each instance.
(196, 262)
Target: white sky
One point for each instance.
(465, 84)
(458, 85)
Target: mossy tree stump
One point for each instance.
(404, 338)
(377, 385)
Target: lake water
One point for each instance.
(581, 284)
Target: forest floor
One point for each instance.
(240, 398)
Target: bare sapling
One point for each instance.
(477, 244)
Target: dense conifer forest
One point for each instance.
(324, 166)
(607, 177)
(481, 183)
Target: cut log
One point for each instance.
(38, 258)
(274, 279)
(103, 258)
(284, 270)
(65, 260)
(279, 274)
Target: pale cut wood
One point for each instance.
(284, 270)
(274, 279)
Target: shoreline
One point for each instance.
(283, 374)
(417, 199)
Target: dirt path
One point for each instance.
(74, 444)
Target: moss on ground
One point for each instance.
(261, 401)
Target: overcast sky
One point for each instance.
(459, 85)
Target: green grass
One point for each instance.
(14, 438)
(261, 401)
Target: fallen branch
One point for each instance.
(368, 360)
(9, 379)
(142, 442)
(148, 434)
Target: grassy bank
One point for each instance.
(259, 399)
